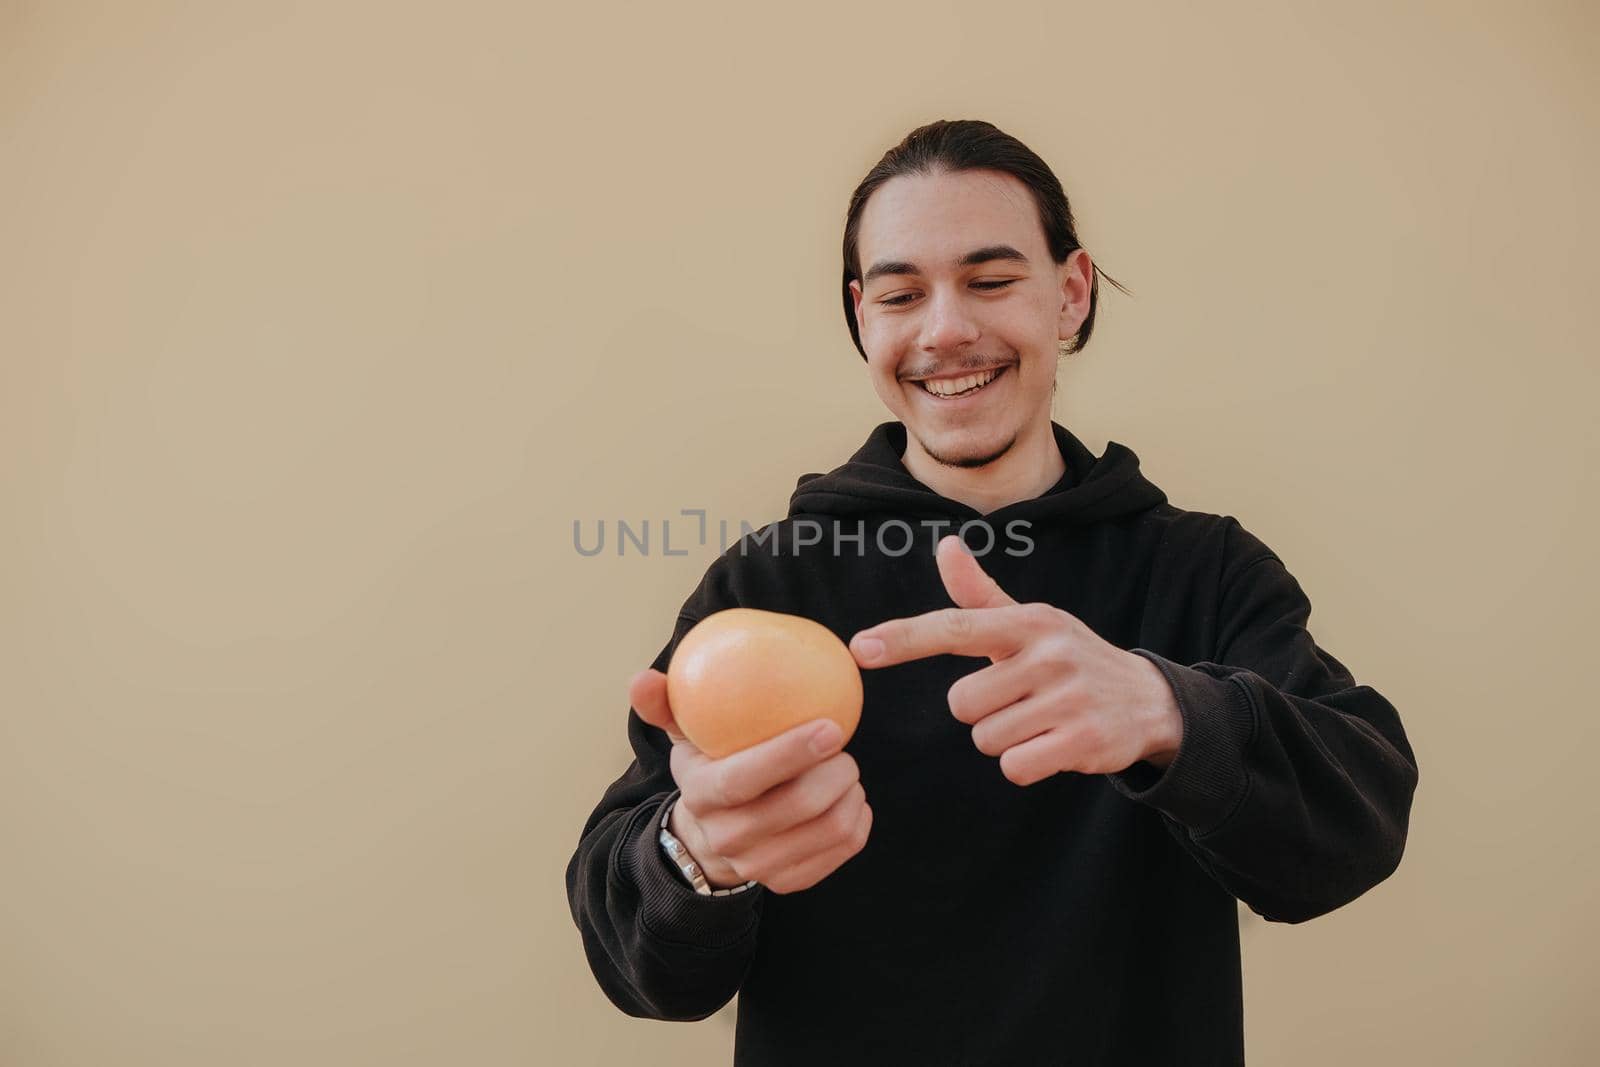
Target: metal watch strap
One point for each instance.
(686, 863)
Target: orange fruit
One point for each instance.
(742, 675)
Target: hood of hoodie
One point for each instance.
(875, 481)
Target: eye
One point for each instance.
(988, 287)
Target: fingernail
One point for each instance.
(868, 649)
(825, 738)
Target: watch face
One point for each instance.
(680, 856)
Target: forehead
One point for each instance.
(931, 219)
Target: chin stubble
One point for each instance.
(967, 462)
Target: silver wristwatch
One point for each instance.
(687, 866)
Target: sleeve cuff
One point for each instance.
(668, 906)
(1207, 779)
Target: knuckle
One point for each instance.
(692, 789)
(984, 740)
(1042, 614)
(1056, 652)
(681, 765)
(829, 786)
(863, 830)
(718, 836)
(812, 802)
(842, 817)
(824, 790)
(783, 881)
(716, 790)
(725, 787)
(745, 869)
(1088, 737)
(849, 769)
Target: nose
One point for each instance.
(948, 323)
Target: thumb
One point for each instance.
(648, 695)
(965, 579)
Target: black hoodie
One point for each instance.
(1085, 919)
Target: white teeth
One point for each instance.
(950, 387)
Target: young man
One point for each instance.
(1085, 735)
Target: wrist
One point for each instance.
(1164, 721)
(681, 824)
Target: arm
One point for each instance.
(658, 949)
(1292, 784)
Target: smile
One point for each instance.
(955, 388)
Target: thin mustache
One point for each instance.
(959, 371)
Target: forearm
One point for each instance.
(657, 948)
(1295, 805)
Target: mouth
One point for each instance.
(960, 388)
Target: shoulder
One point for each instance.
(1218, 537)
(1186, 527)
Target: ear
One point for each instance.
(855, 292)
(1077, 282)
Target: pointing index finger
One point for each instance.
(992, 632)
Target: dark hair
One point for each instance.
(971, 144)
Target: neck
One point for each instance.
(1029, 467)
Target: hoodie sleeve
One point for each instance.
(1292, 784)
(658, 949)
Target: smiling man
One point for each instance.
(1093, 722)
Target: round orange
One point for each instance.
(742, 675)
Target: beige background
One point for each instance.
(321, 325)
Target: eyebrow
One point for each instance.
(979, 255)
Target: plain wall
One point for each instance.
(321, 325)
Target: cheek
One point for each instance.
(1030, 328)
(883, 374)
(879, 332)
(884, 345)
(1033, 316)
(881, 371)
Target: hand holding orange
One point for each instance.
(765, 793)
